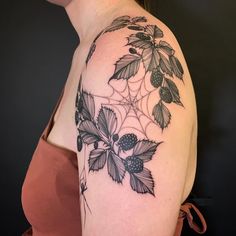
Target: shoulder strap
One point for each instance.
(186, 213)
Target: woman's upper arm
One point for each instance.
(135, 114)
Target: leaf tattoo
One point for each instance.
(158, 58)
(88, 132)
(176, 67)
(116, 168)
(86, 106)
(161, 114)
(166, 48)
(136, 42)
(154, 31)
(97, 159)
(174, 91)
(126, 67)
(142, 182)
(118, 23)
(107, 121)
(110, 145)
(101, 134)
(151, 58)
(145, 149)
(165, 65)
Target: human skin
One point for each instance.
(117, 207)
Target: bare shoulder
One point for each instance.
(135, 115)
(132, 46)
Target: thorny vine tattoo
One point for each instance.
(105, 132)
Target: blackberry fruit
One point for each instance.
(132, 51)
(133, 164)
(127, 141)
(143, 36)
(156, 78)
(95, 145)
(115, 137)
(165, 94)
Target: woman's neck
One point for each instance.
(89, 17)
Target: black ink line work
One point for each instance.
(83, 175)
(121, 154)
(110, 144)
(158, 59)
(118, 23)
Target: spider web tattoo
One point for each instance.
(128, 107)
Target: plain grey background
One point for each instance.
(36, 46)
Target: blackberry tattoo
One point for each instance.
(105, 132)
(156, 78)
(133, 164)
(127, 141)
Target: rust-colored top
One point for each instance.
(51, 193)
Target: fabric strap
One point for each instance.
(185, 212)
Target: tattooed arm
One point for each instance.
(135, 113)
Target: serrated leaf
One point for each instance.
(97, 159)
(126, 67)
(145, 149)
(151, 58)
(121, 19)
(118, 23)
(115, 167)
(91, 51)
(142, 182)
(116, 27)
(88, 132)
(176, 67)
(161, 115)
(139, 19)
(165, 47)
(107, 121)
(154, 31)
(134, 41)
(165, 65)
(88, 106)
(174, 91)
